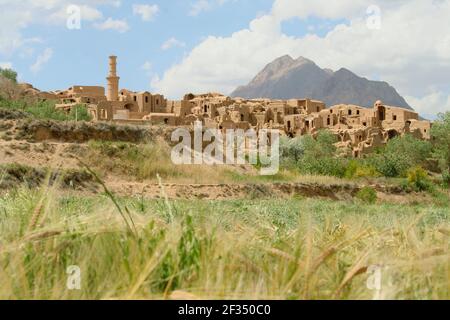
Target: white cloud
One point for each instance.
(200, 6)
(331, 9)
(147, 66)
(116, 3)
(146, 11)
(113, 24)
(15, 16)
(6, 65)
(171, 43)
(41, 60)
(410, 51)
(87, 13)
(430, 104)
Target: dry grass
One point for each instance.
(143, 162)
(274, 249)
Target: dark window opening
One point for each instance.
(349, 112)
(166, 121)
(135, 98)
(328, 121)
(395, 118)
(146, 99)
(382, 113)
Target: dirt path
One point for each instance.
(257, 191)
(232, 191)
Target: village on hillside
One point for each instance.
(357, 128)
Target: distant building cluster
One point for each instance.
(357, 128)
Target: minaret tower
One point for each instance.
(113, 80)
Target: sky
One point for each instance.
(178, 46)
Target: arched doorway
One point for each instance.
(131, 107)
(392, 134)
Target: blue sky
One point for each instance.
(80, 56)
(178, 46)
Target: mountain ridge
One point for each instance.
(288, 78)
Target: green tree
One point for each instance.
(319, 156)
(440, 132)
(291, 150)
(9, 74)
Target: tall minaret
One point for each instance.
(113, 80)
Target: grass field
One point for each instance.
(246, 249)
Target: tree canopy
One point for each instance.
(9, 74)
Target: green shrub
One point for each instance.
(367, 195)
(359, 169)
(390, 165)
(12, 97)
(418, 179)
(446, 178)
(46, 110)
(79, 113)
(326, 166)
(399, 155)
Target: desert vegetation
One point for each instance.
(404, 159)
